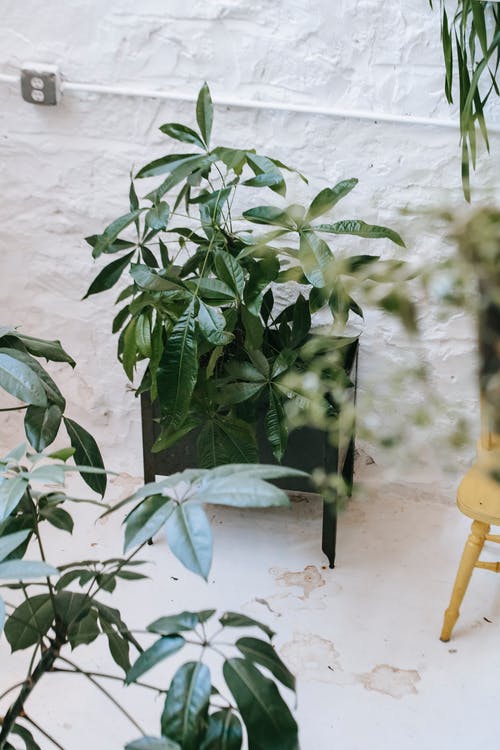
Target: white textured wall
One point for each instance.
(64, 170)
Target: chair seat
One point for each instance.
(478, 496)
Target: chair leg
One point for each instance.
(470, 557)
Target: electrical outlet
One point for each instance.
(40, 83)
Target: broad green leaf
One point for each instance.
(26, 569)
(205, 113)
(178, 375)
(235, 393)
(129, 349)
(269, 215)
(153, 743)
(258, 471)
(266, 174)
(51, 350)
(314, 256)
(184, 170)
(112, 618)
(146, 520)
(263, 653)
(241, 491)
(224, 731)
(84, 630)
(301, 321)
(189, 536)
(11, 492)
(175, 623)
(360, 229)
(42, 425)
(157, 216)
(329, 197)
(53, 394)
(247, 372)
(184, 716)
(120, 319)
(267, 718)
(106, 239)
(145, 278)
(11, 542)
(18, 379)
(169, 437)
(182, 133)
(53, 473)
(339, 302)
(143, 334)
(234, 159)
(16, 453)
(59, 518)
(212, 291)
(63, 454)
(86, 454)
(164, 647)
(168, 163)
(26, 736)
(29, 622)
(212, 325)
(230, 272)
(254, 330)
(275, 425)
(109, 275)
(226, 440)
(237, 620)
(262, 273)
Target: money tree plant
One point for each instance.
(205, 267)
(52, 611)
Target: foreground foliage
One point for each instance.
(50, 610)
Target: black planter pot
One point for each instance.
(307, 449)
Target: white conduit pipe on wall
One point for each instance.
(227, 101)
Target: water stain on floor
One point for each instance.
(390, 680)
(308, 579)
(312, 658)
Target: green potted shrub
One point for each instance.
(200, 310)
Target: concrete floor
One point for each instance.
(362, 639)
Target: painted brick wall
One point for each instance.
(64, 174)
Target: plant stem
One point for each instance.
(15, 408)
(17, 709)
(43, 732)
(12, 687)
(106, 693)
(40, 546)
(115, 677)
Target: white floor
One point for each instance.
(362, 639)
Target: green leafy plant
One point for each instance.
(201, 309)
(23, 377)
(470, 35)
(50, 611)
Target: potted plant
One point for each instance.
(52, 611)
(201, 307)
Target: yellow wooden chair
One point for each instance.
(478, 497)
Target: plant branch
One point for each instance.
(9, 690)
(15, 408)
(115, 677)
(17, 709)
(105, 692)
(42, 731)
